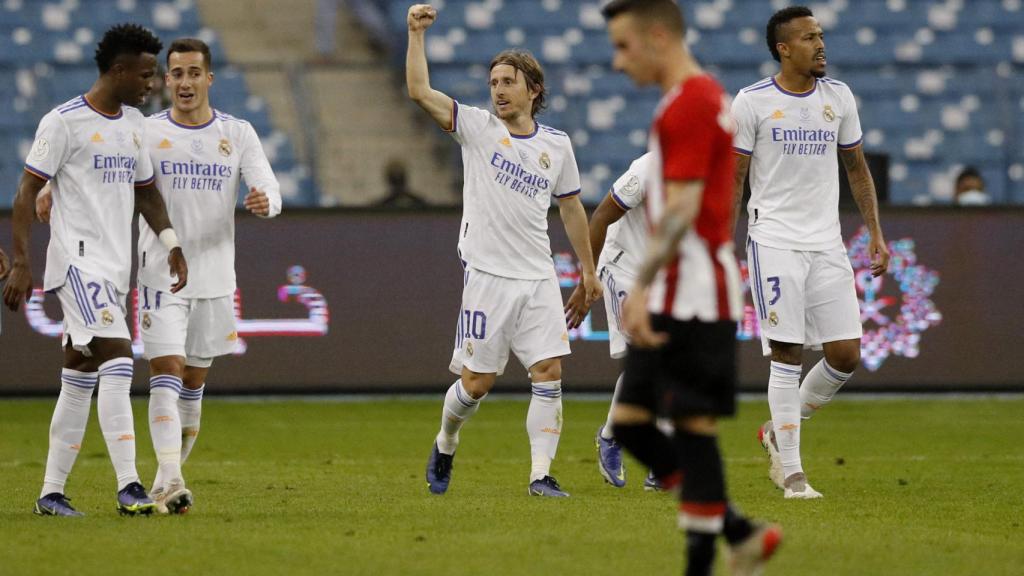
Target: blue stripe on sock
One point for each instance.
(831, 372)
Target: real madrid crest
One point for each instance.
(469, 348)
(773, 319)
(146, 321)
(225, 147)
(107, 318)
(545, 160)
(828, 113)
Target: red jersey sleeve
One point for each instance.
(688, 130)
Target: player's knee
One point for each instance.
(701, 425)
(477, 384)
(630, 415)
(786, 353)
(844, 358)
(167, 365)
(546, 370)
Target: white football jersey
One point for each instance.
(625, 244)
(509, 182)
(794, 175)
(94, 162)
(197, 170)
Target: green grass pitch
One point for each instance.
(912, 486)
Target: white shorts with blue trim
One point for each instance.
(499, 314)
(802, 297)
(199, 329)
(617, 284)
(93, 308)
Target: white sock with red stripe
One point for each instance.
(459, 406)
(820, 386)
(784, 402)
(114, 407)
(544, 426)
(67, 427)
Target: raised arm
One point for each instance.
(863, 189)
(19, 285)
(150, 205)
(607, 213)
(574, 218)
(438, 104)
(739, 179)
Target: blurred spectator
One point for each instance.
(399, 195)
(970, 188)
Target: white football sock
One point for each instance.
(784, 402)
(165, 427)
(190, 408)
(459, 406)
(544, 426)
(67, 427)
(606, 430)
(114, 406)
(819, 387)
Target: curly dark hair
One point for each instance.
(778, 20)
(125, 39)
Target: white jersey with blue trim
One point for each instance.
(197, 170)
(793, 141)
(509, 183)
(93, 161)
(625, 244)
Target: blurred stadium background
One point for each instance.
(940, 84)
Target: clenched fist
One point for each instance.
(421, 16)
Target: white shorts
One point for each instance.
(502, 313)
(197, 328)
(617, 284)
(802, 297)
(93, 308)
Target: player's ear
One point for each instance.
(209, 77)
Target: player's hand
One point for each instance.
(592, 285)
(637, 321)
(19, 285)
(879, 252)
(577, 307)
(179, 268)
(256, 201)
(421, 16)
(44, 203)
(5, 265)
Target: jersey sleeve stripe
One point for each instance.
(146, 182)
(852, 145)
(568, 194)
(739, 150)
(617, 200)
(455, 116)
(37, 173)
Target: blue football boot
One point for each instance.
(439, 471)
(609, 460)
(547, 486)
(132, 500)
(55, 504)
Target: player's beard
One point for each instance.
(818, 72)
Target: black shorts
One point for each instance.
(693, 374)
